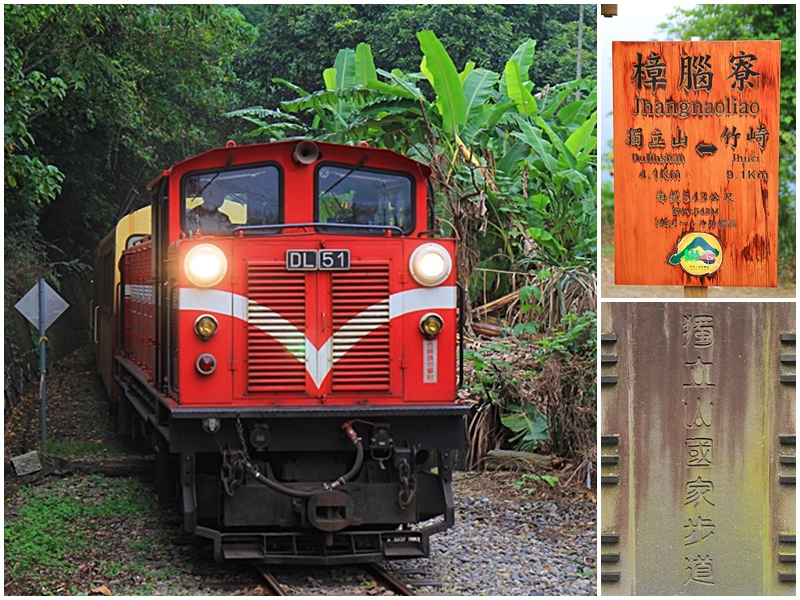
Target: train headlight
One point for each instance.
(430, 265)
(205, 265)
(430, 325)
(205, 326)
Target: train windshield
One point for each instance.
(217, 202)
(362, 197)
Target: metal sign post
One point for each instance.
(42, 367)
(42, 306)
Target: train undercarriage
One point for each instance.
(302, 484)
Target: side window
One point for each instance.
(350, 195)
(219, 201)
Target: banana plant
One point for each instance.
(514, 167)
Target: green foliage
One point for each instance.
(524, 482)
(518, 91)
(607, 189)
(97, 99)
(567, 385)
(491, 373)
(549, 398)
(68, 535)
(551, 294)
(529, 427)
(559, 57)
(500, 395)
(290, 46)
(83, 448)
(544, 393)
(440, 71)
(515, 173)
(28, 93)
(96, 96)
(577, 337)
(48, 525)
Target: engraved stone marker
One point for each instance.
(697, 449)
(696, 130)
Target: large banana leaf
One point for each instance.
(345, 65)
(579, 110)
(529, 425)
(518, 92)
(329, 76)
(558, 101)
(523, 55)
(364, 65)
(513, 156)
(565, 155)
(468, 68)
(478, 86)
(315, 100)
(533, 137)
(403, 87)
(590, 104)
(295, 88)
(442, 74)
(580, 139)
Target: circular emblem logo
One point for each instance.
(698, 254)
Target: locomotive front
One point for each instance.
(289, 342)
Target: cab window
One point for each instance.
(217, 202)
(363, 197)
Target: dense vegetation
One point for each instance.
(500, 100)
(99, 98)
(515, 175)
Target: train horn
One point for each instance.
(305, 153)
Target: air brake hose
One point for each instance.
(349, 476)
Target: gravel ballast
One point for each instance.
(509, 539)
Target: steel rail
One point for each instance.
(273, 584)
(388, 580)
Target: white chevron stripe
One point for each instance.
(319, 361)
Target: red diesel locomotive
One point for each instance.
(281, 325)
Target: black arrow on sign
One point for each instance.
(704, 149)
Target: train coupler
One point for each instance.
(232, 470)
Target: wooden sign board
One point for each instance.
(696, 129)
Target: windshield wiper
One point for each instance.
(360, 164)
(217, 174)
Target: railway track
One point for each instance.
(389, 581)
(383, 578)
(273, 586)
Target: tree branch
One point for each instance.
(42, 31)
(53, 53)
